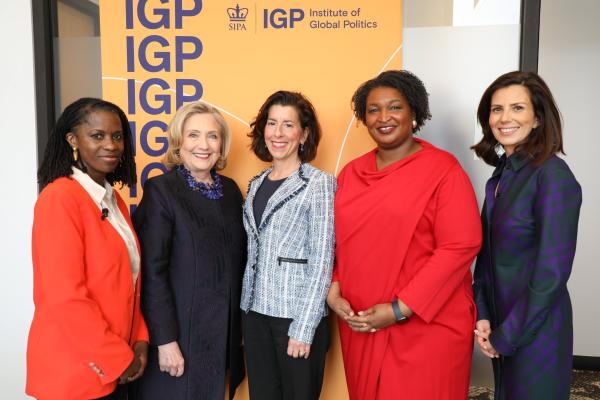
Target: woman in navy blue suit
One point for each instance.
(530, 218)
(189, 224)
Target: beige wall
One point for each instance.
(419, 13)
(73, 23)
(19, 192)
(78, 72)
(569, 61)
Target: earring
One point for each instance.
(75, 154)
(301, 147)
(177, 153)
(414, 123)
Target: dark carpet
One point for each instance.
(586, 386)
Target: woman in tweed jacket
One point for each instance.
(530, 217)
(288, 216)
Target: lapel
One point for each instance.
(123, 208)
(490, 188)
(292, 186)
(510, 185)
(253, 186)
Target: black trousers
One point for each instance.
(272, 374)
(120, 393)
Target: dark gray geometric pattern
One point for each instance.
(585, 386)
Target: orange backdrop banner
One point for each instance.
(160, 54)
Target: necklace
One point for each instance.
(212, 192)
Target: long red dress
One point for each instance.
(409, 231)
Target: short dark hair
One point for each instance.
(543, 141)
(407, 83)
(58, 156)
(308, 120)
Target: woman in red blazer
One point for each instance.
(87, 333)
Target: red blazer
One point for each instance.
(86, 307)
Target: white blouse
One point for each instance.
(104, 197)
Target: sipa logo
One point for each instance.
(237, 18)
(280, 18)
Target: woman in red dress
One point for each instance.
(407, 231)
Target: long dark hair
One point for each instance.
(543, 141)
(58, 156)
(308, 120)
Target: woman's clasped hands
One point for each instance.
(370, 320)
(482, 335)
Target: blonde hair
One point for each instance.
(171, 158)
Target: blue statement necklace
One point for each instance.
(212, 192)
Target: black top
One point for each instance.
(263, 194)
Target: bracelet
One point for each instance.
(397, 312)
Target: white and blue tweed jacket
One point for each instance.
(290, 255)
